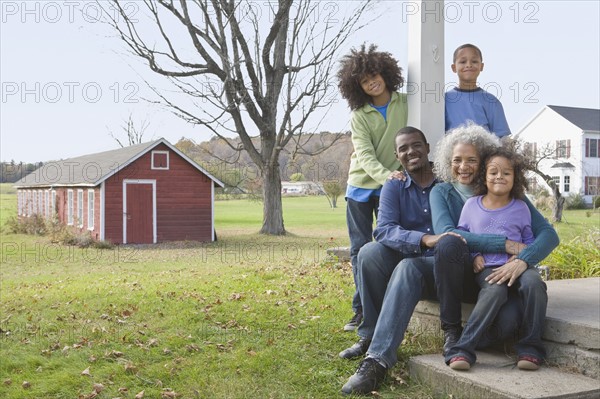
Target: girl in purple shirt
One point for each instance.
(496, 208)
(499, 210)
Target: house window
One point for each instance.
(90, 222)
(160, 160)
(592, 184)
(563, 148)
(80, 208)
(556, 180)
(53, 207)
(47, 203)
(70, 207)
(28, 205)
(34, 201)
(19, 203)
(567, 184)
(41, 203)
(533, 184)
(530, 150)
(592, 148)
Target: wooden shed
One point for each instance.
(145, 193)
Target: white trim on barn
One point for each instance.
(153, 166)
(139, 181)
(212, 211)
(102, 211)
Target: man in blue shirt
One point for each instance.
(396, 270)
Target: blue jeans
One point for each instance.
(390, 287)
(359, 217)
(455, 283)
(530, 291)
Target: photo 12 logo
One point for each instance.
(69, 92)
(473, 11)
(53, 12)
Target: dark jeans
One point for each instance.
(390, 286)
(500, 313)
(359, 217)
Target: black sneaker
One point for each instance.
(451, 337)
(354, 321)
(368, 377)
(357, 350)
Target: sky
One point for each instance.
(68, 82)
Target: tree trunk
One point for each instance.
(559, 203)
(558, 209)
(272, 208)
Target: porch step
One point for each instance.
(495, 376)
(571, 336)
(572, 329)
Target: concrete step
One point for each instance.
(495, 376)
(572, 329)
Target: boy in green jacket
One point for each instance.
(369, 80)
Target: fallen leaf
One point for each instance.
(98, 388)
(7, 382)
(140, 395)
(26, 384)
(235, 296)
(86, 372)
(130, 368)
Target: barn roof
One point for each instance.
(91, 170)
(584, 118)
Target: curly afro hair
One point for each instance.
(506, 150)
(469, 133)
(363, 62)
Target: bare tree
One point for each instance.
(534, 160)
(252, 69)
(134, 135)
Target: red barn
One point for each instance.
(145, 193)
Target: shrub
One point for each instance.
(577, 258)
(35, 225)
(54, 230)
(544, 203)
(575, 201)
(596, 202)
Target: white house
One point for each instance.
(572, 138)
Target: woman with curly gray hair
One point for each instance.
(458, 160)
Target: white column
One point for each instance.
(426, 65)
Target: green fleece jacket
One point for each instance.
(373, 138)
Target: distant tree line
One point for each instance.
(10, 172)
(318, 161)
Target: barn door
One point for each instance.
(138, 213)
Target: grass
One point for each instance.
(249, 316)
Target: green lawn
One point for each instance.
(249, 316)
